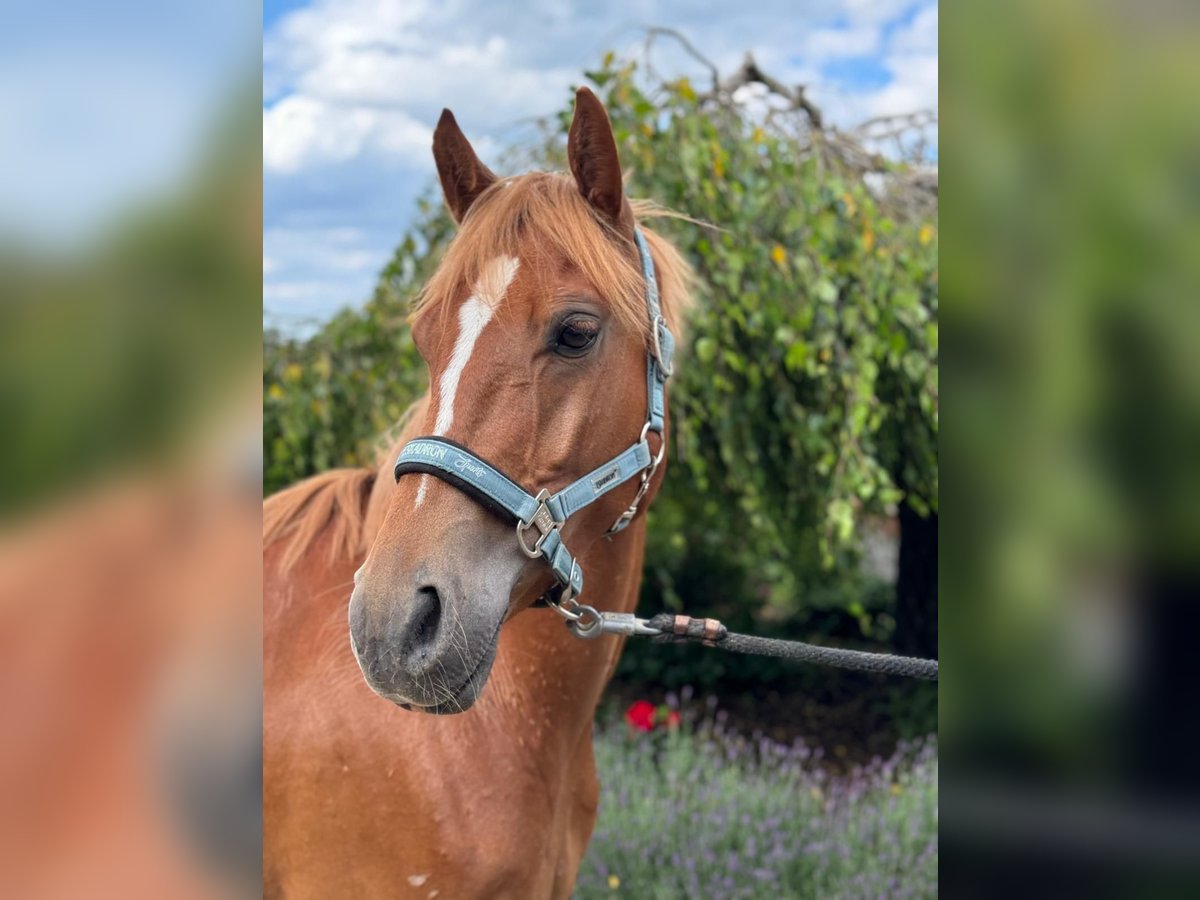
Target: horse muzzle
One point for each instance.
(432, 650)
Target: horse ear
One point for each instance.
(463, 176)
(592, 153)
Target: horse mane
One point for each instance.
(333, 503)
(548, 208)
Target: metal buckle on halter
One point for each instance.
(542, 520)
(626, 517)
(666, 363)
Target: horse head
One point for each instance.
(535, 331)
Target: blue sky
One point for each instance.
(104, 106)
(352, 90)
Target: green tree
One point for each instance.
(806, 397)
(331, 399)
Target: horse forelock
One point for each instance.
(545, 212)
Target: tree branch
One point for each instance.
(750, 73)
(657, 31)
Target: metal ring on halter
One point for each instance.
(587, 622)
(569, 614)
(567, 598)
(662, 447)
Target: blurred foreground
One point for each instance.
(130, 648)
(1069, 580)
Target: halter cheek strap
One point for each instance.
(539, 518)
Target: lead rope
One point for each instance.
(667, 628)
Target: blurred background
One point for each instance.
(803, 141)
(1069, 580)
(130, 649)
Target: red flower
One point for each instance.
(673, 719)
(641, 715)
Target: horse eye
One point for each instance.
(576, 336)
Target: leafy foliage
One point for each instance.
(807, 392)
(114, 351)
(810, 392)
(329, 398)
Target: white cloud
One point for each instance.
(353, 89)
(920, 36)
(306, 37)
(876, 12)
(289, 291)
(487, 80)
(310, 271)
(914, 88)
(105, 107)
(827, 44)
(912, 59)
(330, 249)
(409, 56)
(301, 131)
(368, 78)
(77, 150)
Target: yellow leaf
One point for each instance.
(869, 239)
(925, 235)
(758, 136)
(292, 372)
(275, 392)
(718, 167)
(897, 790)
(851, 206)
(779, 255)
(614, 882)
(608, 59)
(685, 89)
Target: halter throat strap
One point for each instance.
(540, 517)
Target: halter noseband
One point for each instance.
(540, 518)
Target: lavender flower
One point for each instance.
(765, 820)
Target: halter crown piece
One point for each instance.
(540, 517)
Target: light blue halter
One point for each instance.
(540, 518)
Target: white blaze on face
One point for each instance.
(476, 311)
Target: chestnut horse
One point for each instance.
(536, 334)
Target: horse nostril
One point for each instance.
(427, 613)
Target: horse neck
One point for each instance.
(550, 681)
